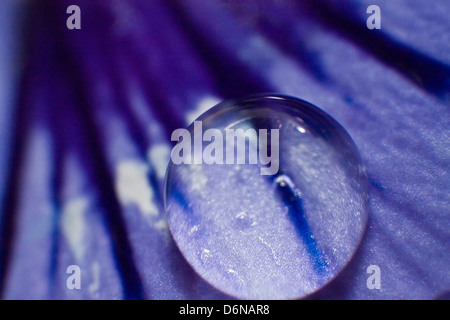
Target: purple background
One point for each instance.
(85, 114)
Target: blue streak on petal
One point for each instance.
(294, 203)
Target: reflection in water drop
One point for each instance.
(270, 236)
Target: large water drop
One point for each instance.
(277, 217)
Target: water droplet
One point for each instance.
(287, 217)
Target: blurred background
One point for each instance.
(86, 117)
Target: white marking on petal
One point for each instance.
(95, 284)
(205, 255)
(73, 225)
(205, 104)
(159, 158)
(161, 225)
(193, 230)
(132, 187)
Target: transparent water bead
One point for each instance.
(267, 236)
